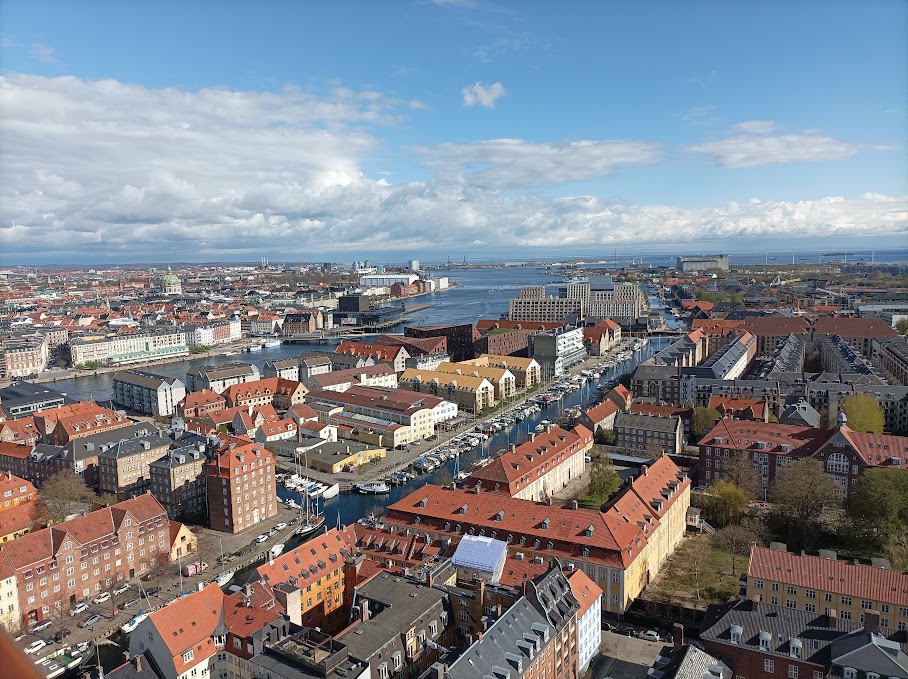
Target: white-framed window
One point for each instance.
(188, 655)
(383, 671)
(792, 672)
(769, 665)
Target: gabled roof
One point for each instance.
(188, 623)
(602, 411)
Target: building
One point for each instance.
(381, 375)
(65, 423)
(307, 654)
(178, 480)
(23, 354)
(15, 491)
(858, 332)
(771, 331)
(182, 542)
(538, 468)
(589, 619)
(649, 433)
(146, 393)
(557, 350)
(171, 284)
(24, 398)
(503, 382)
(333, 457)
(240, 487)
(123, 466)
(473, 394)
(730, 361)
(276, 430)
(287, 368)
(600, 299)
(277, 391)
(200, 403)
(531, 304)
(56, 567)
(394, 355)
(702, 263)
(386, 280)
(219, 378)
(819, 584)
(312, 363)
(400, 624)
(620, 549)
(599, 417)
(890, 355)
(460, 337)
(129, 348)
(527, 371)
(602, 337)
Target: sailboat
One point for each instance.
(459, 474)
(225, 576)
(134, 621)
(308, 521)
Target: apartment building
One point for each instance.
(527, 371)
(241, 487)
(858, 332)
(532, 304)
(503, 382)
(394, 355)
(890, 355)
(58, 566)
(649, 433)
(123, 466)
(218, 378)
(129, 348)
(380, 375)
(538, 468)
(557, 350)
(820, 584)
(23, 354)
(178, 480)
(15, 491)
(283, 394)
(469, 393)
(200, 403)
(146, 393)
(771, 331)
(621, 549)
(589, 619)
(287, 368)
(460, 337)
(62, 424)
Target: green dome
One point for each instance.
(170, 278)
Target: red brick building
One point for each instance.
(460, 337)
(241, 488)
(199, 403)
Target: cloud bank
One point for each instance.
(94, 171)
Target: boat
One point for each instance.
(376, 488)
(459, 477)
(224, 578)
(134, 622)
(331, 491)
(271, 344)
(424, 465)
(277, 549)
(254, 348)
(309, 521)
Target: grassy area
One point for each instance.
(698, 565)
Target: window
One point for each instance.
(790, 603)
(397, 660)
(433, 628)
(866, 604)
(846, 600)
(811, 593)
(758, 584)
(188, 655)
(793, 672)
(775, 587)
(828, 596)
(769, 666)
(383, 671)
(792, 590)
(850, 673)
(462, 615)
(818, 674)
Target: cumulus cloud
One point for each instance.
(758, 144)
(478, 94)
(94, 171)
(502, 164)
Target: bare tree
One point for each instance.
(736, 540)
(64, 493)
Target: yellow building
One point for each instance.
(183, 542)
(502, 379)
(621, 549)
(10, 619)
(526, 371)
(334, 457)
(468, 392)
(821, 584)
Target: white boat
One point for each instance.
(461, 476)
(225, 577)
(481, 462)
(254, 348)
(331, 491)
(377, 488)
(277, 549)
(270, 344)
(133, 622)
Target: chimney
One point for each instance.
(678, 635)
(573, 504)
(872, 621)
(532, 436)
(247, 589)
(364, 609)
(498, 611)
(833, 617)
(138, 663)
(513, 447)
(429, 580)
(644, 468)
(201, 585)
(484, 624)
(126, 655)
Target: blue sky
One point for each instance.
(148, 131)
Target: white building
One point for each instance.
(219, 378)
(386, 280)
(147, 393)
(589, 618)
(414, 265)
(130, 348)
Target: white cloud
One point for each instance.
(503, 164)
(43, 53)
(699, 115)
(758, 145)
(478, 94)
(94, 171)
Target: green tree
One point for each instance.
(443, 477)
(878, 508)
(604, 480)
(864, 413)
(64, 493)
(606, 437)
(703, 420)
(726, 503)
(901, 326)
(802, 492)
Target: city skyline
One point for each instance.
(478, 128)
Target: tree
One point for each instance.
(443, 477)
(736, 540)
(878, 507)
(740, 471)
(606, 437)
(703, 420)
(864, 413)
(63, 493)
(901, 326)
(724, 503)
(802, 492)
(604, 480)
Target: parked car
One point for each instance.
(35, 646)
(80, 607)
(280, 526)
(261, 538)
(41, 626)
(203, 566)
(152, 591)
(101, 598)
(91, 620)
(130, 602)
(122, 588)
(650, 635)
(61, 635)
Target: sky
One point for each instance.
(311, 131)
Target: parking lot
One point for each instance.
(625, 657)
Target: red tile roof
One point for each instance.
(518, 571)
(309, 561)
(851, 327)
(585, 590)
(17, 518)
(881, 585)
(661, 410)
(775, 326)
(738, 407)
(188, 623)
(602, 411)
(747, 435)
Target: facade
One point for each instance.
(531, 304)
(178, 480)
(219, 378)
(241, 488)
(599, 417)
(558, 349)
(527, 371)
(819, 584)
(702, 263)
(123, 467)
(333, 457)
(171, 284)
(394, 355)
(469, 393)
(620, 549)
(381, 375)
(730, 361)
(287, 369)
(15, 491)
(146, 393)
(460, 338)
(503, 382)
(129, 348)
(283, 394)
(23, 354)
(890, 355)
(56, 567)
(200, 403)
(650, 433)
(858, 332)
(589, 619)
(537, 469)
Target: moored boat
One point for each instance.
(376, 488)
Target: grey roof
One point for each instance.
(90, 446)
(219, 372)
(815, 631)
(801, 413)
(136, 444)
(143, 379)
(510, 643)
(149, 669)
(647, 422)
(689, 662)
(867, 652)
(395, 604)
(648, 371)
(552, 594)
(283, 363)
(180, 456)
